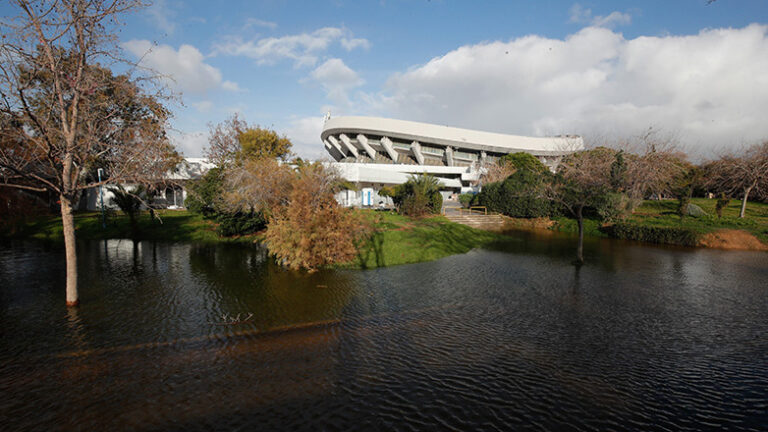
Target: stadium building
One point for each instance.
(375, 152)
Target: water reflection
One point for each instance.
(639, 338)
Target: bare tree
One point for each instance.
(743, 174)
(581, 179)
(67, 115)
(224, 141)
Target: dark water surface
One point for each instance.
(640, 338)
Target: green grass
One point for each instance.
(173, 225)
(663, 214)
(402, 240)
(397, 239)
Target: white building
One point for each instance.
(172, 196)
(376, 152)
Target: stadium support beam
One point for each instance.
(336, 144)
(347, 143)
(363, 140)
(449, 156)
(336, 153)
(387, 143)
(416, 150)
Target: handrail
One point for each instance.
(470, 210)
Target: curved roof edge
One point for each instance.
(451, 136)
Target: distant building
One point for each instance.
(171, 197)
(376, 152)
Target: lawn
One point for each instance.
(172, 225)
(401, 240)
(663, 214)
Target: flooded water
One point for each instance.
(191, 337)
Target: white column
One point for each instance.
(416, 150)
(352, 149)
(387, 143)
(336, 144)
(449, 156)
(335, 153)
(363, 140)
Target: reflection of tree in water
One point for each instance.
(246, 280)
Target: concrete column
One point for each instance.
(363, 140)
(449, 156)
(336, 144)
(348, 144)
(416, 150)
(483, 157)
(387, 144)
(335, 153)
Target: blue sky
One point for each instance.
(697, 72)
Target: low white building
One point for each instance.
(375, 152)
(171, 197)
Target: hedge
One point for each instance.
(650, 234)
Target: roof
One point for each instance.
(452, 136)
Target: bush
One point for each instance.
(418, 196)
(466, 199)
(239, 223)
(204, 192)
(520, 195)
(674, 236)
(722, 202)
(613, 207)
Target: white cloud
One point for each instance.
(304, 133)
(203, 106)
(161, 16)
(350, 44)
(255, 22)
(184, 70)
(304, 49)
(579, 14)
(709, 89)
(336, 78)
(190, 144)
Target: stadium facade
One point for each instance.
(374, 152)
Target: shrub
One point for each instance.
(722, 202)
(204, 192)
(418, 196)
(662, 235)
(314, 231)
(466, 199)
(520, 195)
(612, 206)
(239, 223)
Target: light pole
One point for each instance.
(100, 171)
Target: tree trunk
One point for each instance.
(68, 222)
(580, 247)
(744, 200)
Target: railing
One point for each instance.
(472, 210)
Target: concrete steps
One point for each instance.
(491, 222)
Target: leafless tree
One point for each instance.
(740, 174)
(582, 177)
(65, 114)
(224, 141)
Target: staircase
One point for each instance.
(491, 222)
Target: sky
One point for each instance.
(693, 71)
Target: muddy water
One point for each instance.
(190, 337)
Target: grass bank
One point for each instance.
(658, 222)
(396, 239)
(401, 240)
(173, 226)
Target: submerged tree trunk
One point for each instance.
(580, 247)
(744, 200)
(68, 222)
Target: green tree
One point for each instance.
(258, 143)
(418, 196)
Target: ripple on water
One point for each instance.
(640, 338)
